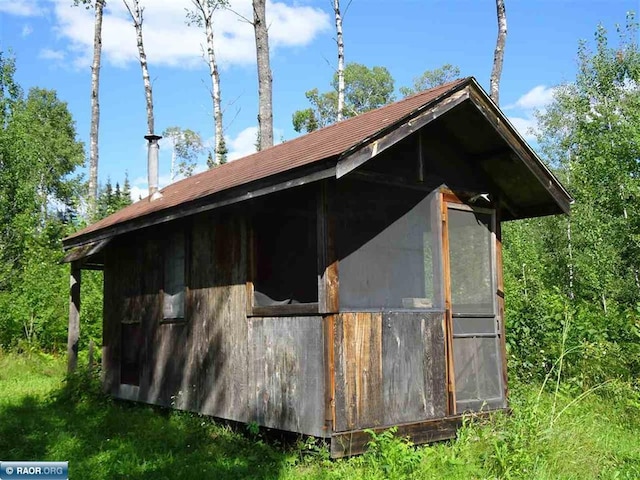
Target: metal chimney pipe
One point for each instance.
(152, 166)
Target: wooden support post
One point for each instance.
(74, 317)
(500, 301)
(328, 289)
(421, 169)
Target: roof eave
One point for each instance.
(520, 146)
(264, 186)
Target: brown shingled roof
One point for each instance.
(316, 146)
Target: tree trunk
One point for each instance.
(73, 332)
(136, 16)
(265, 110)
(498, 55)
(339, 40)
(207, 13)
(570, 255)
(95, 107)
(172, 172)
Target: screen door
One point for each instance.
(475, 328)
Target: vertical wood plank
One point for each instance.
(222, 327)
(252, 266)
(500, 301)
(286, 370)
(328, 288)
(112, 304)
(359, 402)
(414, 367)
(73, 334)
(448, 320)
(328, 323)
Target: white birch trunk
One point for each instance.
(207, 13)
(339, 40)
(265, 109)
(172, 172)
(95, 107)
(498, 55)
(136, 16)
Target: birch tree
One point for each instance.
(186, 145)
(98, 6)
(265, 107)
(202, 16)
(585, 269)
(136, 14)
(365, 89)
(432, 78)
(498, 55)
(340, 42)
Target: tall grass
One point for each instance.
(548, 435)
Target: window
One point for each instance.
(174, 277)
(285, 247)
(386, 248)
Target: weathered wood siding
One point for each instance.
(217, 348)
(286, 373)
(358, 351)
(217, 361)
(200, 363)
(389, 368)
(413, 367)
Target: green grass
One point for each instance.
(44, 418)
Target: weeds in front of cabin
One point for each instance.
(548, 435)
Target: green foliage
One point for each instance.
(46, 415)
(223, 151)
(186, 146)
(582, 271)
(432, 78)
(111, 200)
(195, 16)
(365, 89)
(88, 4)
(39, 195)
(394, 458)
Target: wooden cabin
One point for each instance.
(348, 279)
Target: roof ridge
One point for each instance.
(323, 129)
(312, 147)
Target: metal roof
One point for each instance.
(327, 143)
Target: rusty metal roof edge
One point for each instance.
(85, 250)
(209, 202)
(383, 131)
(247, 191)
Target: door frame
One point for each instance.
(449, 199)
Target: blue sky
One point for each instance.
(52, 43)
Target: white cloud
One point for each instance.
(537, 98)
(26, 30)
(170, 42)
(22, 8)
(50, 54)
(138, 193)
(239, 146)
(243, 144)
(526, 126)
